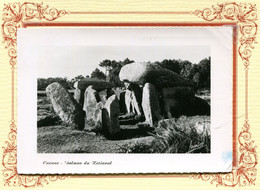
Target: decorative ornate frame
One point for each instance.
(245, 15)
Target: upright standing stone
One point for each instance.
(96, 123)
(65, 106)
(110, 114)
(133, 98)
(150, 104)
(122, 103)
(136, 98)
(97, 116)
(128, 100)
(91, 98)
(79, 96)
(110, 92)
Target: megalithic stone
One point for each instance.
(110, 114)
(141, 73)
(91, 98)
(79, 96)
(150, 104)
(133, 98)
(65, 106)
(122, 103)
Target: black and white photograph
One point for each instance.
(102, 100)
(124, 99)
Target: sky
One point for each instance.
(71, 61)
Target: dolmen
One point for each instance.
(164, 93)
(150, 92)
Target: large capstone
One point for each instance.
(65, 106)
(141, 73)
(110, 114)
(150, 104)
(96, 84)
(91, 98)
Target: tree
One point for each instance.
(42, 83)
(171, 64)
(198, 73)
(107, 64)
(113, 68)
(204, 66)
(196, 79)
(185, 69)
(98, 74)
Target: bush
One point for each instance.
(42, 83)
(181, 136)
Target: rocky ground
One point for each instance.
(55, 137)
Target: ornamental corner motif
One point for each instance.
(14, 16)
(244, 14)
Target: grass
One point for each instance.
(182, 136)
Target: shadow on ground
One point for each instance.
(133, 131)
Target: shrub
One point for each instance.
(181, 136)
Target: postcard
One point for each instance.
(124, 100)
